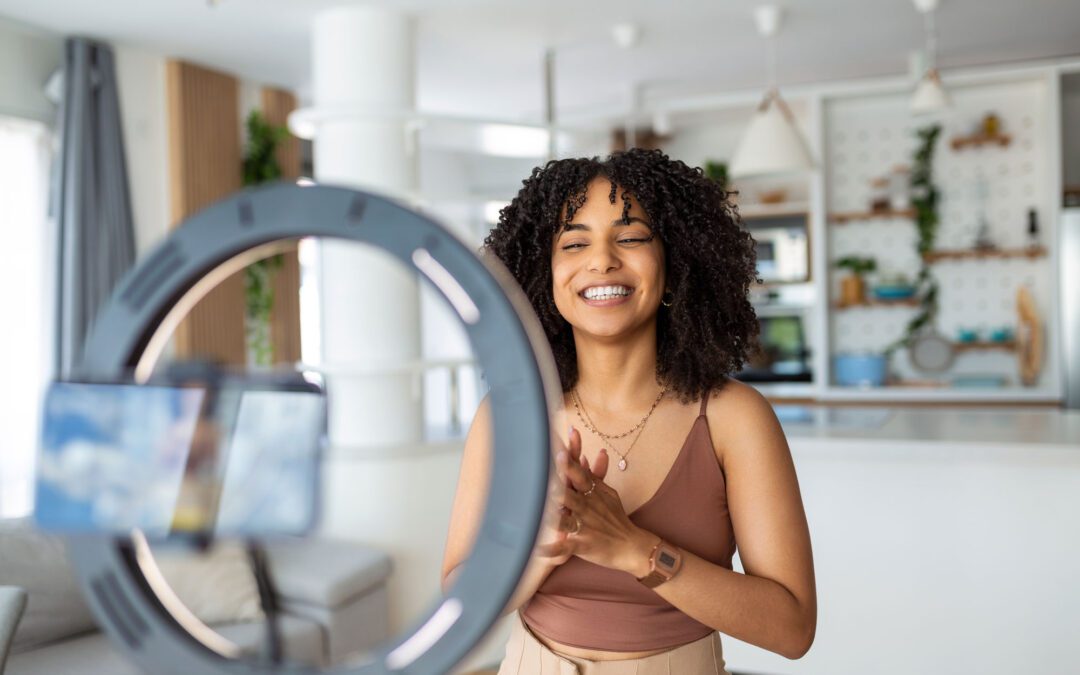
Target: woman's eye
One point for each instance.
(569, 247)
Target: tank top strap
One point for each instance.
(704, 402)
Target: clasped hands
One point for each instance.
(594, 527)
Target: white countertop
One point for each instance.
(997, 426)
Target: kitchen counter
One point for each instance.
(941, 425)
(945, 540)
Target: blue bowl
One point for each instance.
(966, 335)
(859, 370)
(894, 292)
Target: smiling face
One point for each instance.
(607, 275)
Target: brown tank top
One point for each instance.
(585, 605)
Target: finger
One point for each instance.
(574, 445)
(574, 472)
(553, 511)
(573, 450)
(573, 501)
(585, 463)
(560, 472)
(568, 523)
(600, 470)
(556, 486)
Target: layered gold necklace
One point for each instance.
(579, 407)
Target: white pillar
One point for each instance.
(370, 310)
(370, 303)
(364, 55)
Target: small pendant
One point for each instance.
(622, 465)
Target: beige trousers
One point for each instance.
(525, 655)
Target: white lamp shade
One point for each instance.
(930, 96)
(771, 144)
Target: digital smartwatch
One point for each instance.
(664, 563)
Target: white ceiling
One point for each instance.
(483, 57)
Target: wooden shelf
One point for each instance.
(978, 140)
(850, 216)
(906, 302)
(1008, 345)
(780, 210)
(962, 254)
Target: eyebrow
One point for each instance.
(619, 221)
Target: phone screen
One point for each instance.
(235, 460)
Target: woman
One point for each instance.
(638, 271)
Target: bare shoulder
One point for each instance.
(741, 420)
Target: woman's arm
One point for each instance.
(774, 604)
(468, 510)
(474, 480)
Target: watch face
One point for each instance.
(665, 559)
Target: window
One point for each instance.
(25, 305)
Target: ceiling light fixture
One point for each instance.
(626, 35)
(772, 143)
(930, 95)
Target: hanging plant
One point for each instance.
(260, 166)
(924, 199)
(717, 171)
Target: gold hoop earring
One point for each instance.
(669, 302)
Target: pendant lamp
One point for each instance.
(930, 95)
(771, 144)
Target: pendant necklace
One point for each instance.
(579, 407)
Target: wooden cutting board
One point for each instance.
(1029, 337)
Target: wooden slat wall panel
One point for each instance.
(205, 166)
(276, 106)
(285, 317)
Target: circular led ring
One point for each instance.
(512, 351)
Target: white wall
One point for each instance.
(27, 58)
(141, 82)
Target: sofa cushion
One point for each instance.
(12, 604)
(346, 570)
(303, 639)
(218, 586)
(95, 653)
(38, 563)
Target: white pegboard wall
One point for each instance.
(866, 138)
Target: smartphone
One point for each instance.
(235, 457)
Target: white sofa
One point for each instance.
(332, 594)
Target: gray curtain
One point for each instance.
(93, 207)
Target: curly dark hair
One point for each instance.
(710, 328)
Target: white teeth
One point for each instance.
(606, 292)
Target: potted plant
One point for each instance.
(261, 165)
(717, 171)
(853, 286)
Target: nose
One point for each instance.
(603, 259)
